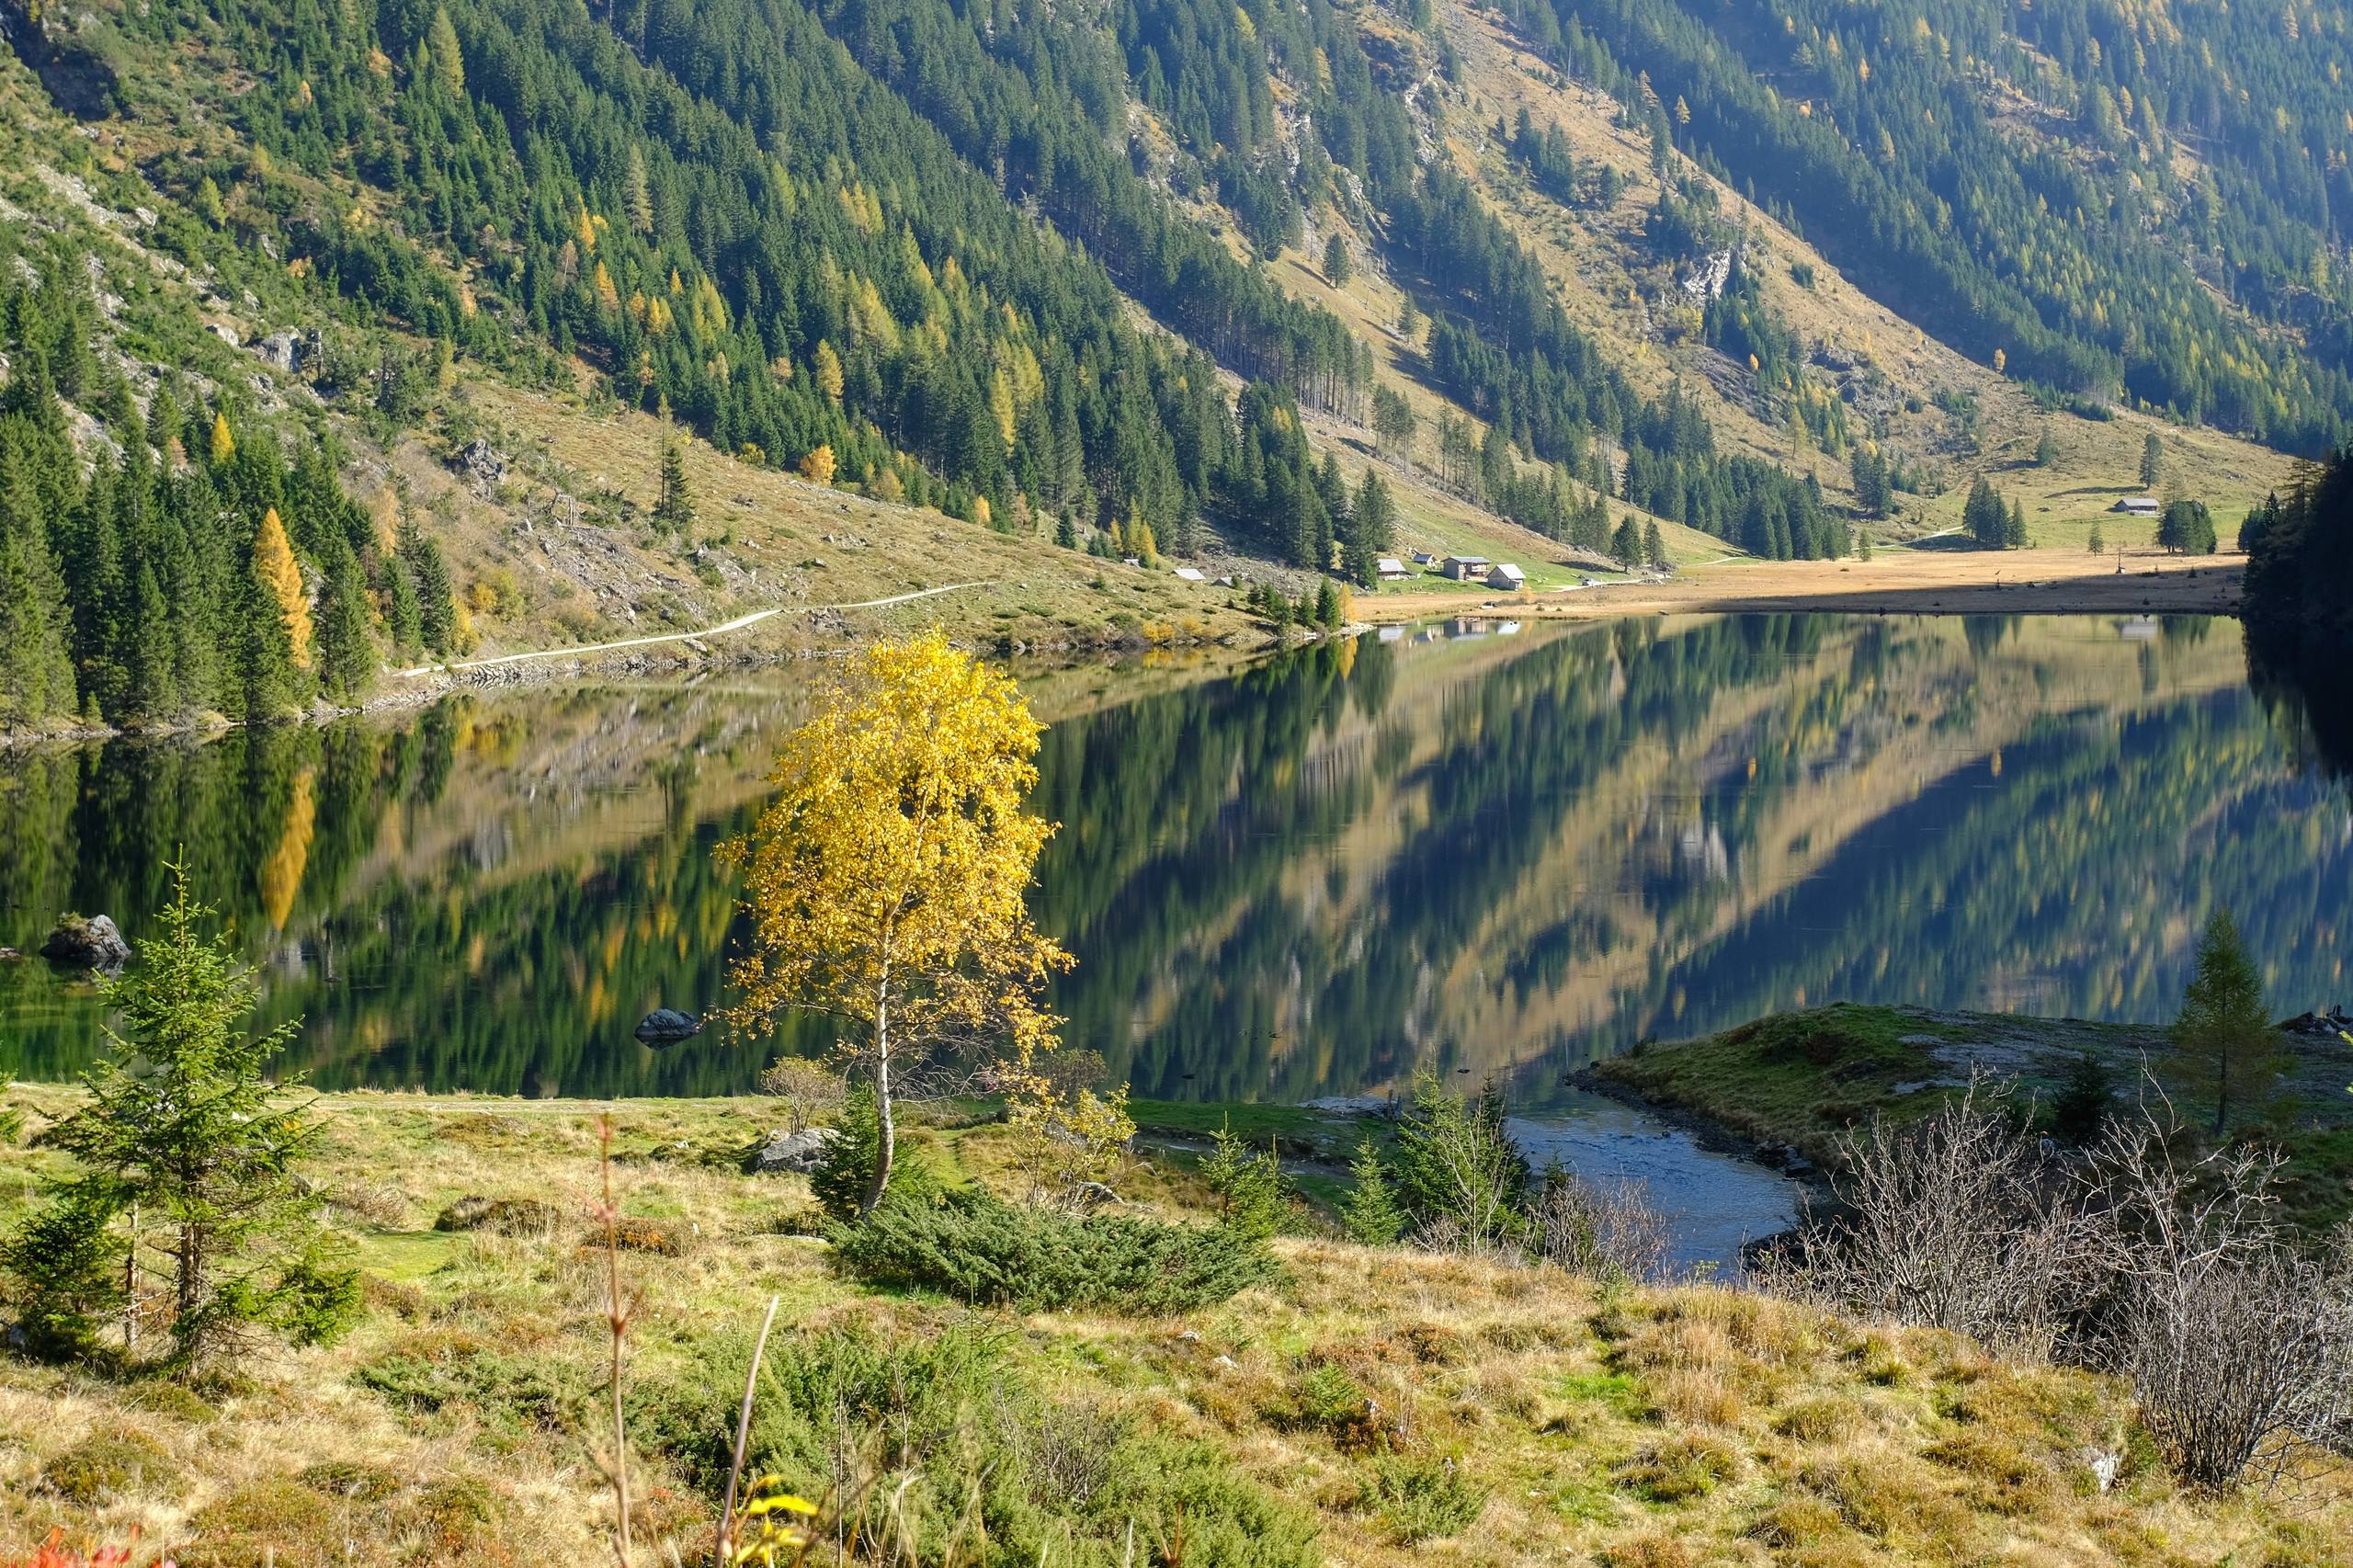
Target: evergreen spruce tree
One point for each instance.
(1625, 544)
(437, 603)
(346, 649)
(270, 684)
(2046, 450)
(674, 512)
(1335, 260)
(1371, 1215)
(2013, 528)
(2153, 461)
(1328, 606)
(37, 681)
(153, 685)
(404, 620)
(1654, 546)
(184, 1127)
(2225, 1051)
(1371, 528)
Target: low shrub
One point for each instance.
(634, 1233)
(104, 1463)
(936, 1435)
(509, 1394)
(158, 1396)
(1423, 1499)
(503, 1216)
(981, 1250)
(275, 1523)
(349, 1478)
(1324, 1398)
(1823, 1420)
(1679, 1469)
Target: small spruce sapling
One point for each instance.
(1248, 1183)
(1371, 1215)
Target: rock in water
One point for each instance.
(95, 943)
(790, 1150)
(667, 1026)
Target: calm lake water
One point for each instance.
(1485, 853)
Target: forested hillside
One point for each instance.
(2116, 199)
(1053, 272)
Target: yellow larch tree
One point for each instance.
(887, 881)
(224, 443)
(274, 564)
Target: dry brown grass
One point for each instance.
(1697, 1425)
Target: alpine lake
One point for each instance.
(1492, 850)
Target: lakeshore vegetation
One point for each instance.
(1015, 1324)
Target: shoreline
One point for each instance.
(2045, 582)
(1913, 582)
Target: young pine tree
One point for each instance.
(674, 511)
(1248, 1183)
(187, 1152)
(2225, 1051)
(346, 646)
(1371, 1215)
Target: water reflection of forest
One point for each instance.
(1308, 876)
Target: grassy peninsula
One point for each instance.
(1795, 1081)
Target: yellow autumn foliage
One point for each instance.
(886, 883)
(274, 564)
(281, 873)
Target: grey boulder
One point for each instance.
(667, 1026)
(95, 943)
(790, 1150)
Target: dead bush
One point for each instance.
(2238, 1344)
(1605, 1230)
(1961, 1221)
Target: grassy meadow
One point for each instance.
(1370, 1406)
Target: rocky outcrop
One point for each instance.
(2321, 1025)
(95, 943)
(482, 465)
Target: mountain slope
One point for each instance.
(1163, 275)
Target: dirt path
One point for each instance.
(1945, 582)
(738, 624)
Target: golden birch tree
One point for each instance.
(886, 882)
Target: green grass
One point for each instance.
(1803, 1078)
(1796, 1078)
